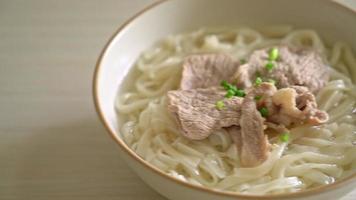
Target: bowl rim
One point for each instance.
(133, 155)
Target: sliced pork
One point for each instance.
(197, 114)
(207, 70)
(298, 73)
(254, 145)
(287, 106)
(301, 67)
(297, 105)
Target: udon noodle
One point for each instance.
(314, 155)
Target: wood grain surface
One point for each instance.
(52, 145)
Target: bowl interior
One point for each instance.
(332, 21)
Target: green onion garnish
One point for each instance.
(240, 93)
(220, 105)
(264, 112)
(257, 98)
(225, 85)
(273, 54)
(269, 66)
(232, 90)
(284, 137)
(258, 81)
(230, 93)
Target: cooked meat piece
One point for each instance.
(197, 114)
(286, 98)
(306, 102)
(243, 76)
(297, 72)
(265, 92)
(278, 128)
(207, 70)
(254, 143)
(302, 67)
(296, 105)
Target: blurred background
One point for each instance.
(52, 145)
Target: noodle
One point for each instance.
(314, 156)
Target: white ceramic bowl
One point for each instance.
(332, 20)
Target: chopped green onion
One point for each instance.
(242, 61)
(264, 112)
(272, 81)
(230, 93)
(220, 105)
(240, 93)
(273, 54)
(233, 88)
(269, 66)
(257, 98)
(284, 137)
(225, 84)
(258, 81)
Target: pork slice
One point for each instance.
(254, 143)
(297, 105)
(306, 102)
(265, 91)
(302, 67)
(206, 70)
(197, 114)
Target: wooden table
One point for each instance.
(52, 145)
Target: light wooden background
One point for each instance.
(52, 145)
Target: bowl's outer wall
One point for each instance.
(332, 21)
